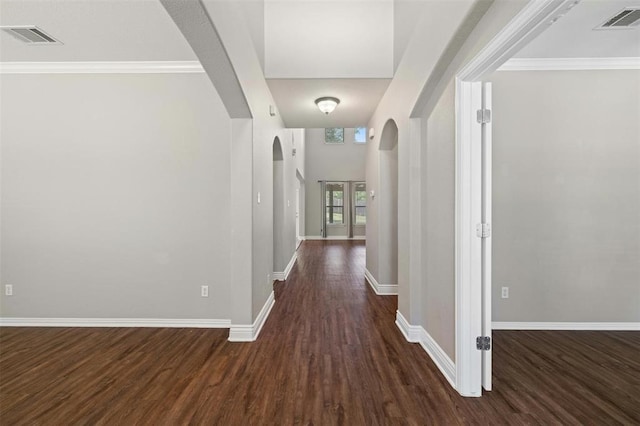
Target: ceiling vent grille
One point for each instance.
(30, 35)
(625, 19)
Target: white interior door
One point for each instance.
(486, 120)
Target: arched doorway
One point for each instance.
(279, 262)
(388, 204)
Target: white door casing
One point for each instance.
(472, 307)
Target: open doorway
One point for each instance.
(279, 261)
(300, 216)
(556, 163)
(387, 200)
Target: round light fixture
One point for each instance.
(327, 104)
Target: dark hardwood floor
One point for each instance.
(329, 353)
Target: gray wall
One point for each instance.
(115, 192)
(279, 207)
(406, 15)
(566, 195)
(339, 162)
(438, 227)
(387, 199)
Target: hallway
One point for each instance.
(329, 353)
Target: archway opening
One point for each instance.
(279, 263)
(388, 204)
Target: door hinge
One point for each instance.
(483, 343)
(483, 230)
(483, 116)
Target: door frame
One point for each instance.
(353, 209)
(533, 19)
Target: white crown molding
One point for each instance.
(127, 67)
(417, 334)
(593, 326)
(114, 322)
(380, 289)
(250, 332)
(570, 64)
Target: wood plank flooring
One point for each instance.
(329, 353)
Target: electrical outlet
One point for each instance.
(505, 292)
(204, 291)
(8, 290)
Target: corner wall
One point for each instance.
(434, 30)
(229, 21)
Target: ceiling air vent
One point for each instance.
(625, 19)
(31, 35)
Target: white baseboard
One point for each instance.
(594, 326)
(282, 276)
(410, 332)
(417, 334)
(114, 322)
(250, 332)
(333, 238)
(380, 289)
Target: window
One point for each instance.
(361, 135)
(334, 193)
(334, 135)
(360, 197)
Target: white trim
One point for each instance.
(124, 67)
(468, 246)
(380, 289)
(333, 238)
(114, 322)
(250, 332)
(439, 357)
(534, 18)
(570, 64)
(289, 267)
(282, 276)
(417, 334)
(595, 326)
(410, 332)
(487, 243)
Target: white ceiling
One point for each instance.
(358, 100)
(573, 35)
(349, 47)
(328, 39)
(340, 48)
(94, 30)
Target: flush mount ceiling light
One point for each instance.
(327, 104)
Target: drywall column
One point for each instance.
(414, 236)
(388, 205)
(241, 220)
